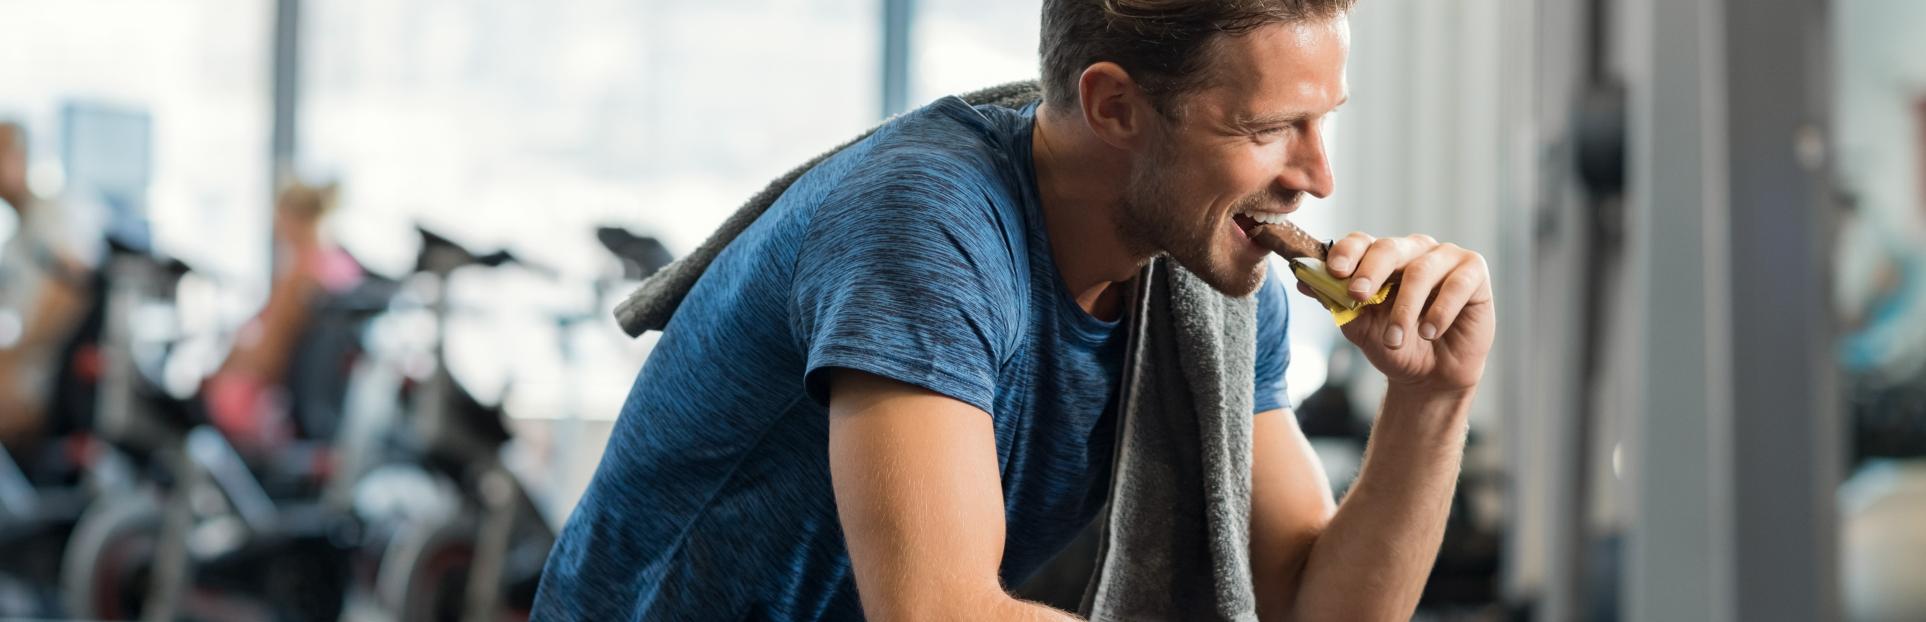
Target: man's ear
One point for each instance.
(1116, 110)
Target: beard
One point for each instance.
(1154, 220)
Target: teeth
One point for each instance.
(1272, 218)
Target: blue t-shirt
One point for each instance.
(918, 255)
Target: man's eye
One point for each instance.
(1269, 133)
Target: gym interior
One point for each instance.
(1705, 223)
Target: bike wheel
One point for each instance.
(424, 574)
(107, 566)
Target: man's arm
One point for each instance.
(1369, 559)
(921, 506)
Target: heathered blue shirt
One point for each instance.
(919, 255)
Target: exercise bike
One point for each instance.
(481, 556)
(217, 534)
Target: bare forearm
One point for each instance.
(265, 349)
(1009, 609)
(954, 602)
(1371, 561)
(915, 478)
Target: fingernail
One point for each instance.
(1340, 265)
(1395, 336)
(1361, 286)
(1428, 331)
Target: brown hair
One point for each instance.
(1165, 45)
(308, 202)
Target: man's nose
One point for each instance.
(1308, 168)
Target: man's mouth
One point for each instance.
(1246, 220)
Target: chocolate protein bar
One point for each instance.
(1306, 255)
(1288, 240)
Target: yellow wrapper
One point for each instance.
(1332, 292)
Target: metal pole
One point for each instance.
(1678, 562)
(1787, 433)
(897, 17)
(286, 96)
(287, 83)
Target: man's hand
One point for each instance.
(1370, 559)
(1435, 332)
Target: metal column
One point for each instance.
(1679, 561)
(1738, 455)
(287, 84)
(897, 17)
(1787, 407)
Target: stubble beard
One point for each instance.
(1153, 220)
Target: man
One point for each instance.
(891, 397)
(43, 276)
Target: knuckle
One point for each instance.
(1407, 307)
(1424, 270)
(1349, 244)
(1424, 239)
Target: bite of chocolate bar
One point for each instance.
(1288, 240)
(1307, 255)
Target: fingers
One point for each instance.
(1469, 281)
(1382, 258)
(1421, 278)
(1344, 254)
(1437, 282)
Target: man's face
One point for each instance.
(1251, 143)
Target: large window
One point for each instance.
(963, 45)
(185, 84)
(529, 123)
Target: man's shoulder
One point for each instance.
(946, 172)
(948, 142)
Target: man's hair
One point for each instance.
(1165, 45)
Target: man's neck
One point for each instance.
(1080, 180)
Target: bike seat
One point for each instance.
(640, 255)
(439, 254)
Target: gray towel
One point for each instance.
(1175, 543)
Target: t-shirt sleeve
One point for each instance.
(905, 272)
(1273, 343)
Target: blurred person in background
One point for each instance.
(246, 398)
(45, 272)
(1880, 291)
(1882, 294)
